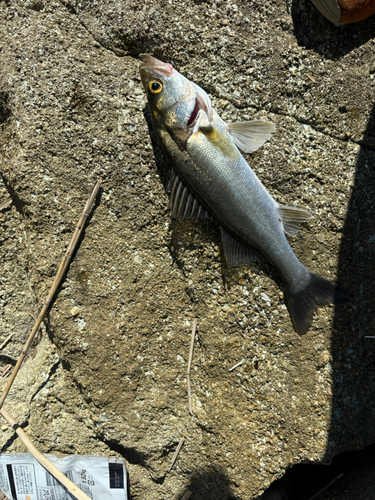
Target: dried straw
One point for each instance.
(189, 364)
(174, 458)
(60, 274)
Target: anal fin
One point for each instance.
(235, 252)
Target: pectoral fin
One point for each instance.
(289, 215)
(235, 253)
(182, 204)
(250, 136)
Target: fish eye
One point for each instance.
(155, 87)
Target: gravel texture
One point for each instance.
(108, 375)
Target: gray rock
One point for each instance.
(109, 375)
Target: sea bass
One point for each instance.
(211, 179)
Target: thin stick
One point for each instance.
(236, 366)
(71, 487)
(369, 336)
(4, 371)
(186, 495)
(189, 363)
(328, 485)
(59, 276)
(32, 315)
(5, 203)
(6, 341)
(176, 453)
(40, 330)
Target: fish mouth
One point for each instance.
(150, 63)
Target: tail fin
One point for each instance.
(319, 291)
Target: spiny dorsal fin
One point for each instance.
(289, 215)
(235, 253)
(182, 203)
(250, 136)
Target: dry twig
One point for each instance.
(6, 341)
(311, 78)
(71, 487)
(174, 458)
(37, 338)
(5, 203)
(4, 370)
(189, 363)
(186, 495)
(236, 366)
(327, 486)
(60, 274)
(32, 315)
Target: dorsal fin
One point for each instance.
(182, 203)
(289, 215)
(235, 253)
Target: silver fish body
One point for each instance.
(242, 205)
(211, 173)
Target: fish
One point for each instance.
(212, 180)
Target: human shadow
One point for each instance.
(210, 483)
(352, 348)
(353, 352)
(315, 32)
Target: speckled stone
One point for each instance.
(109, 374)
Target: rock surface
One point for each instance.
(109, 373)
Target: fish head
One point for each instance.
(174, 100)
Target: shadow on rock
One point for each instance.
(315, 32)
(210, 484)
(353, 355)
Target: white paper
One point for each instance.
(23, 478)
